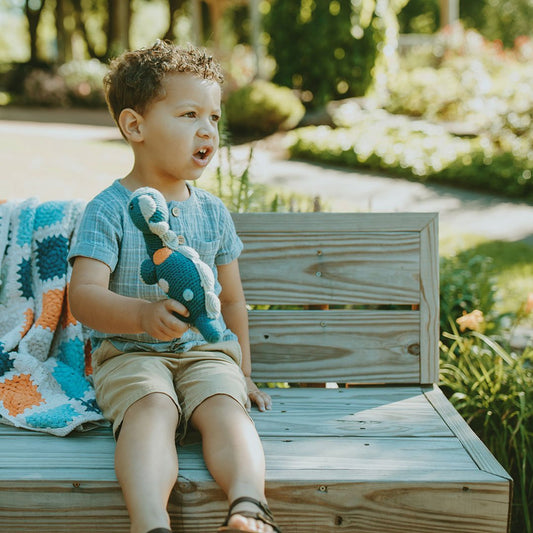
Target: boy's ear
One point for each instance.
(130, 123)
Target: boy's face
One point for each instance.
(180, 131)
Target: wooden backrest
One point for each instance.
(342, 297)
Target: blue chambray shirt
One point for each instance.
(106, 233)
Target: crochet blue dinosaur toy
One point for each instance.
(176, 268)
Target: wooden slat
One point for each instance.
(472, 444)
(429, 303)
(330, 222)
(355, 346)
(331, 268)
(354, 412)
(300, 507)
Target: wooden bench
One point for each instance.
(339, 298)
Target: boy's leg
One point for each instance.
(233, 454)
(146, 460)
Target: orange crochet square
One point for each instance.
(51, 311)
(19, 393)
(28, 314)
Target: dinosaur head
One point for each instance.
(148, 211)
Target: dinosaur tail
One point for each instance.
(210, 329)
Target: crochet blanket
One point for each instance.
(44, 358)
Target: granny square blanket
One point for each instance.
(44, 358)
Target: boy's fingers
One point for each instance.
(177, 307)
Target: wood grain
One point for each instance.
(355, 346)
(337, 268)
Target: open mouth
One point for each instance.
(203, 153)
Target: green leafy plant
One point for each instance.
(262, 107)
(492, 388)
(328, 50)
(77, 83)
(231, 183)
(467, 283)
(415, 149)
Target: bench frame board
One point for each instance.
(389, 453)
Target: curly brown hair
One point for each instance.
(135, 78)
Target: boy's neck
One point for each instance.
(177, 192)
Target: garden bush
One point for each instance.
(262, 107)
(415, 149)
(467, 283)
(359, 35)
(489, 384)
(492, 388)
(76, 83)
(469, 79)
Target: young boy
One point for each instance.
(153, 375)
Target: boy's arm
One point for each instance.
(93, 304)
(235, 316)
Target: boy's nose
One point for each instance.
(207, 130)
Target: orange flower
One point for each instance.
(473, 320)
(529, 304)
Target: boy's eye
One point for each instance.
(190, 114)
(215, 118)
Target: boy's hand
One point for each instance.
(157, 319)
(260, 398)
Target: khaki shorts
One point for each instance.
(188, 378)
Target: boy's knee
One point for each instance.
(156, 405)
(219, 409)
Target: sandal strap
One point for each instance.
(265, 514)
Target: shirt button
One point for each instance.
(181, 239)
(175, 211)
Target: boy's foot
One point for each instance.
(241, 517)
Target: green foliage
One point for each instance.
(83, 80)
(467, 283)
(420, 16)
(231, 183)
(324, 49)
(492, 388)
(262, 107)
(74, 83)
(417, 150)
(499, 19)
(464, 77)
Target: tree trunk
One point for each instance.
(82, 28)
(33, 16)
(173, 7)
(118, 26)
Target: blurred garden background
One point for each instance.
(415, 92)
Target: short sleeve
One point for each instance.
(99, 234)
(230, 244)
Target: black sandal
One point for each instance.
(264, 515)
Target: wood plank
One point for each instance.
(355, 459)
(299, 508)
(429, 303)
(355, 346)
(331, 268)
(358, 411)
(330, 222)
(471, 442)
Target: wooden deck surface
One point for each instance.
(398, 467)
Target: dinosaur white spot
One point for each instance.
(147, 206)
(163, 283)
(188, 295)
